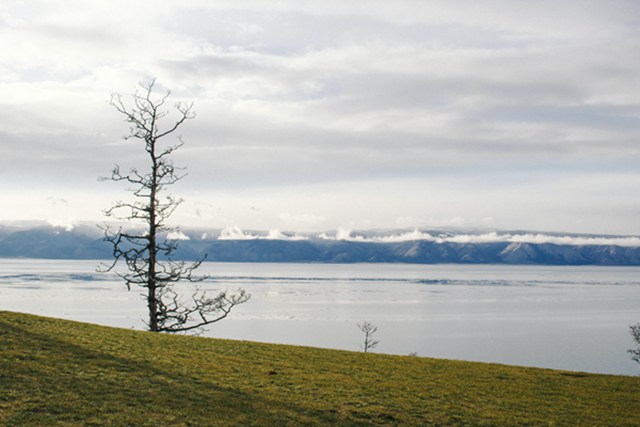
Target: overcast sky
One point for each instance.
(313, 115)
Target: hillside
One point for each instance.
(57, 372)
(397, 246)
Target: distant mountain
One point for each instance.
(52, 242)
(392, 246)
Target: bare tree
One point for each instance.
(147, 253)
(368, 330)
(635, 333)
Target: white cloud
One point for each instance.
(345, 234)
(492, 237)
(177, 235)
(235, 233)
(276, 234)
(59, 213)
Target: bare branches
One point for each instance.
(177, 316)
(146, 112)
(147, 253)
(368, 329)
(635, 333)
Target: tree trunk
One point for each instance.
(151, 279)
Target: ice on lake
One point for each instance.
(574, 318)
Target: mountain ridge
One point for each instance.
(391, 246)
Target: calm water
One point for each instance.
(574, 318)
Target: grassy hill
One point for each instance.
(57, 372)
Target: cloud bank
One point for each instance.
(235, 233)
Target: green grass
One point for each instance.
(56, 372)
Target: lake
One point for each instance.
(574, 318)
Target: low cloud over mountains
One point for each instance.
(341, 246)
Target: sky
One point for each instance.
(319, 115)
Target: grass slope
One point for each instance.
(56, 372)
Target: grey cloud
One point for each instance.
(340, 94)
(328, 93)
